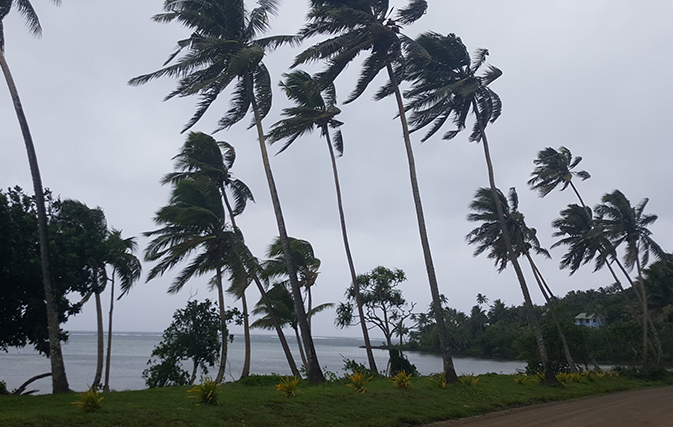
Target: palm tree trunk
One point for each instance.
(106, 386)
(577, 193)
(101, 348)
(315, 374)
(246, 332)
(552, 305)
(301, 347)
(532, 319)
(447, 360)
(349, 257)
(58, 377)
(223, 326)
(643, 293)
(279, 330)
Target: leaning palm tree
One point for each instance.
(125, 266)
(555, 168)
(628, 224)
(489, 236)
(203, 157)
(367, 26)
(225, 48)
(58, 376)
(316, 108)
(194, 227)
(446, 86)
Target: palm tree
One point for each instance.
(281, 308)
(224, 47)
(555, 168)
(203, 157)
(366, 26)
(58, 376)
(194, 227)
(626, 224)
(315, 110)
(125, 266)
(446, 86)
(489, 236)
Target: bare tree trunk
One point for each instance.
(223, 326)
(447, 360)
(106, 386)
(550, 378)
(301, 347)
(100, 340)
(349, 257)
(246, 332)
(315, 374)
(643, 293)
(58, 377)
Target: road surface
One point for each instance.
(652, 407)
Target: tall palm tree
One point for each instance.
(316, 108)
(194, 227)
(203, 157)
(125, 266)
(628, 224)
(356, 27)
(446, 85)
(58, 376)
(224, 47)
(555, 168)
(489, 236)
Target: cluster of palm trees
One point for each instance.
(588, 235)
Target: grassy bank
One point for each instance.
(256, 402)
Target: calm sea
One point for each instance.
(131, 351)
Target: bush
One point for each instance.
(3, 388)
(351, 365)
(89, 401)
(206, 392)
(468, 379)
(400, 363)
(359, 381)
(439, 379)
(402, 380)
(288, 386)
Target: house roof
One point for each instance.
(585, 316)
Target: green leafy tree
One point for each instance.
(555, 168)
(628, 224)
(224, 48)
(193, 335)
(59, 378)
(446, 84)
(384, 305)
(368, 27)
(316, 108)
(194, 228)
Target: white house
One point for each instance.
(589, 320)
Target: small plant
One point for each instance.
(288, 386)
(359, 381)
(402, 380)
(206, 392)
(520, 379)
(3, 388)
(89, 401)
(468, 379)
(540, 375)
(439, 379)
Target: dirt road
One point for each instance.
(651, 407)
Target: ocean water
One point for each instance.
(131, 351)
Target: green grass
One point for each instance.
(256, 402)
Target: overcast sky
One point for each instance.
(593, 76)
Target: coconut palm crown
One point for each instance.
(555, 168)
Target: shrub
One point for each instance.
(89, 401)
(359, 381)
(3, 388)
(439, 379)
(468, 379)
(206, 392)
(288, 386)
(402, 380)
(351, 365)
(520, 379)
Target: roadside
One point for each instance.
(652, 407)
